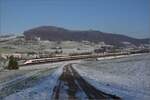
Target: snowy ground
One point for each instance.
(34, 82)
(17, 45)
(127, 77)
(41, 91)
(9, 75)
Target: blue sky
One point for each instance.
(128, 17)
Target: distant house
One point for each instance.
(6, 56)
(38, 38)
(86, 42)
(99, 50)
(104, 48)
(129, 46)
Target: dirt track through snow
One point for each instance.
(72, 86)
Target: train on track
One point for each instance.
(76, 57)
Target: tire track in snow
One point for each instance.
(70, 84)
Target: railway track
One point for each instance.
(68, 58)
(70, 84)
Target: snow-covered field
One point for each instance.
(127, 77)
(13, 45)
(42, 91)
(34, 82)
(9, 75)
